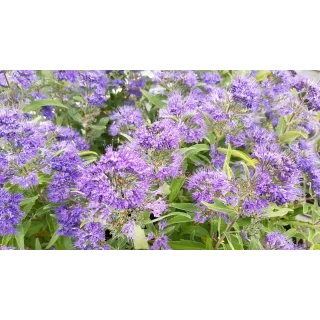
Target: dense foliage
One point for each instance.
(159, 160)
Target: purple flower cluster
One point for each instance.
(10, 212)
(244, 148)
(277, 241)
(30, 147)
(125, 120)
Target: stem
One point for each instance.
(228, 229)
(42, 197)
(5, 75)
(211, 229)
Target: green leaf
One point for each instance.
(195, 149)
(22, 230)
(35, 105)
(280, 126)
(53, 240)
(209, 245)
(262, 74)
(139, 239)
(28, 200)
(153, 99)
(315, 216)
(290, 233)
(28, 203)
(175, 188)
(126, 136)
(186, 245)
(75, 115)
(246, 170)
(237, 154)
(86, 153)
(220, 207)
(291, 135)
(195, 231)
(165, 189)
(169, 229)
(230, 241)
(38, 245)
(255, 245)
(275, 211)
(189, 207)
(168, 215)
(57, 154)
(179, 219)
(226, 168)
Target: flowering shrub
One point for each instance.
(159, 160)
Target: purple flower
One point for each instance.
(162, 135)
(47, 112)
(217, 159)
(278, 241)
(68, 219)
(6, 248)
(162, 224)
(119, 179)
(244, 236)
(91, 237)
(94, 84)
(253, 205)
(59, 188)
(3, 81)
(31, 179)
(189, 78)
(209, 184)
(69, 75)
(211, 78)
(246, 91)
(160, 243)
(157, 207)
(126, 120)
(10, 213)
(170, 167)
(150, 236)
(128, 229)
(135, 85)
(23, 77)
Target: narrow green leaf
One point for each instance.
(86, 153)
(38, 245)
(186, 245)
(189, 207)
(290, 233)
(179, 219)
(209, 245)
(35, 105)
(153, 99)
(237, 154)
(53, 240)
(28, 200)
(220, 207)
(291, 135)
(126, 136)
(280, 126)
(262, 74)
(175, 188)
(168, 215)
(195, 231)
